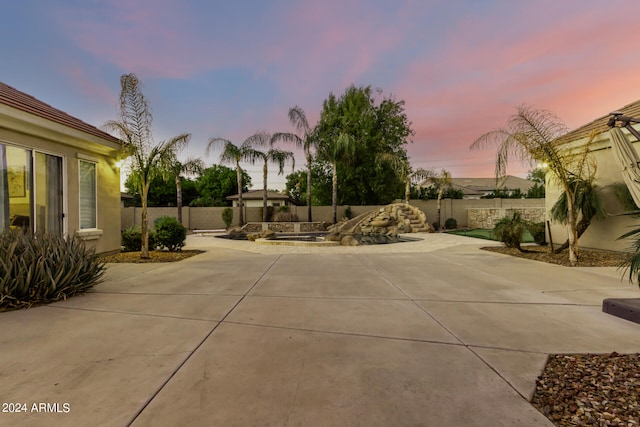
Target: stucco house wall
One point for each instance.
(31, 125)
(601, 234)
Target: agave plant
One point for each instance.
(42, 268)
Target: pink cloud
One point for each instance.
(580, 70)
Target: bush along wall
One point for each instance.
(42, 268)
(170, 233)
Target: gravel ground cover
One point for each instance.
(586, 258)
(154, 256)
(590, 390)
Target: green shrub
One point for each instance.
(509, 230)
(451, 224)
(42, 268)
(283, 208)
(131, 239)
(170, 233)
(536, 229)
(227, 216)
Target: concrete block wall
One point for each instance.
(487, 217)
(210, 218)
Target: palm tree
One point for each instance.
(146, 159)
(339, 150)
(401, 166)
(532, 136)
(589, 203)
(298, 119)
(192, 165)
(273, 155)
(232, 154)
(441, 181)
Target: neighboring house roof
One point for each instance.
(27, 103)
(257, 195)
(482, 186)
(599, 125)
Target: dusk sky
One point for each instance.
(230, 68)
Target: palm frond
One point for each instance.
(298, 119)
(287, 137)
(280, 157)
(217, 142)
(258, 139)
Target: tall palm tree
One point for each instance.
(298, 119)
(146, 159)
(401, 166)
(273, 155)
(589, 203)
(232, 154)
(192, 165)
(339, 150)
(441, 181)
(532, 136)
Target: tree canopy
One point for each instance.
(377, 126)
(216, 183)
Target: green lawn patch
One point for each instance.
(487, 234)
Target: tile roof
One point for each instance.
(257, 195)
(27, 103)
(599, 125)
(483, 185)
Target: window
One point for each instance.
(31, 193)
(88, 192)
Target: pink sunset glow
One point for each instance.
(219, 69)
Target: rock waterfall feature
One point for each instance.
(383, 223)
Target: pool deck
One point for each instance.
(433, 332)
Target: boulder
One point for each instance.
(380, 223)
(349, 240)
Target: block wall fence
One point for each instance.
(472, 213)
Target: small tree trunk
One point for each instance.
(334, 192)
(582, 226)
(239, 175)
(179, 197)
(407, 191)
(572, 230)
(144, 252)
(309, 185)
(264, 195)
(439, 203)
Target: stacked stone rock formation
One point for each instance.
(391, 220)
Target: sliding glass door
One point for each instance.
(30, 190)
(48, 193)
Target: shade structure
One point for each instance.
(627, 157)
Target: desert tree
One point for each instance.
(261, 141)
(341, 149)
(302, 139)
(146, 159)
(589, 205)
(533, 136)
(441, 181)
(401, 166)
(234, 154)
(178, 168)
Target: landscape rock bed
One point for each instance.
(586, 258)
(590, 390)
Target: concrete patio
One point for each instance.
(433, 333)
